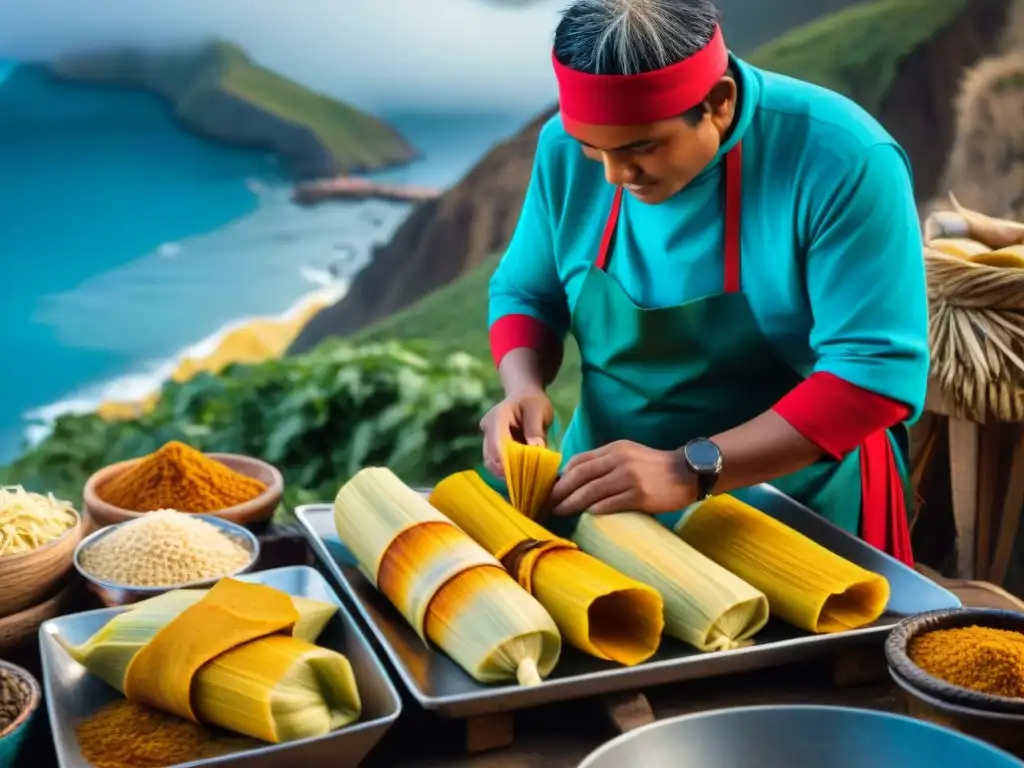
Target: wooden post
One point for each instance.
(628, 710)
(489, 732)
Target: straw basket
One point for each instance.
(977, 336)
(975, 272)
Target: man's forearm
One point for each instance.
(521, 370)
(761, 450)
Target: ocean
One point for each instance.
(127, 243)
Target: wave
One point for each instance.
(233, 342)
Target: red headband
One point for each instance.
(644, 98)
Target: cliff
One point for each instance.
(985, 168)
(218, 91)
(900, 59)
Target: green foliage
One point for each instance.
(317, 417)
(455, 318)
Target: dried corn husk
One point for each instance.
(220, 660)
(806, 584)
(452, 591)
(961, 247)
(976, 330)
(705, 605)
(530, 474)
(597, 609)
(108, 652)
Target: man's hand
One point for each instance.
(624, 477)
(524, 416)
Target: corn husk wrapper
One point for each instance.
(705, 605)
(250, 680)
(451, 591)
(530, 474)
(806, 584)
(597, 609)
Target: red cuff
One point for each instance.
(515, 331)
(838, 416)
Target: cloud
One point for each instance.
(383, 55)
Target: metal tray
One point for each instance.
(439, 684)
(72, 695)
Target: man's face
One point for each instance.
(653, 161)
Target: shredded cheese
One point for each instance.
(31, 520)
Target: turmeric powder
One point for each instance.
(126, 735)
(978, 658)
(179, 477)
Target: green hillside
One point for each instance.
(354, 138)
(202, 82)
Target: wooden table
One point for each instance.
(561, 736)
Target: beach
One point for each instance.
(156, 253)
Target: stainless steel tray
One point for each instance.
(72, 695)
(438, 684)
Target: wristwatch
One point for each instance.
(704, 459)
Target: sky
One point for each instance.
(382, 55)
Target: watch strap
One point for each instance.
(706, 482)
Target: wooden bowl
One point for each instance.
(28, 577)
(12, 738)
(257, 510)
(898, 643)
(20, 629)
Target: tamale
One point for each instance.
(806, 584)
(705, 605)
(530, 474)
(597, 609)
(450, 590)
(213, 664)
(314, 615)
(107, 653)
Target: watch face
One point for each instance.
(703, 455)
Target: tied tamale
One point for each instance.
(597, 609)
(229, 659)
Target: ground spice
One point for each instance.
(179, 477)
(125, 735)
(14, 695)
(979, 658)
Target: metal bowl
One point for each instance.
(122, 594)
(789, 736)
(1002, 729)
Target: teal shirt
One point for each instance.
(832, 260)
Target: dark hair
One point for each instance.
(629, 37)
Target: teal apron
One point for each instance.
(660, 377)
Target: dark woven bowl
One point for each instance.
(899, 662)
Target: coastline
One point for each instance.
(248, 340)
